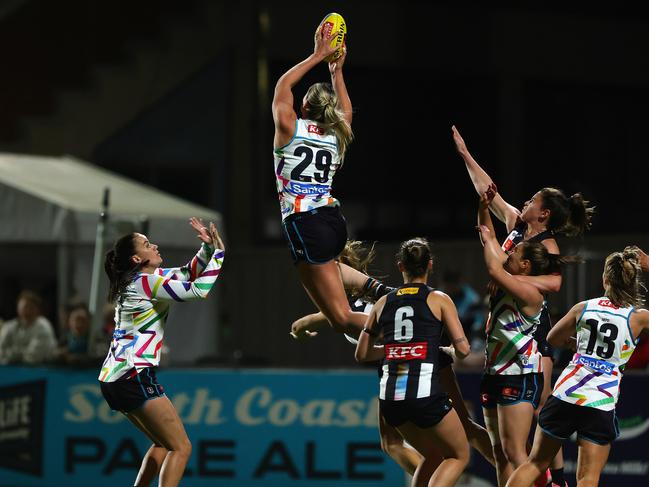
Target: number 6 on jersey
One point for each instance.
(403, 327)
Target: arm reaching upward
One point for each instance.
(338, 83)
(283, 114)
(529, 297)
(482, 182)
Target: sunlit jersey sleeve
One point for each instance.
(193, 268)
(185, 283)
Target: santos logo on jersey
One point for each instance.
(595, 364)
(307, 189)
(413, 351)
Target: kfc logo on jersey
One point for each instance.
(606, 303)
(314, 129)
(509, 244)
(413, 351)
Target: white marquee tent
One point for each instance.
(56, 201)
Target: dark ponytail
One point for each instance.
(542, 261)
(119, 267)
(415, 254)
(568, 216)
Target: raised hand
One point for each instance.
(300, 332)
(216, 237)
(203, 234)
(322, 47)
(488, 195)
(485, 233)
(460, 145)
(337, 64)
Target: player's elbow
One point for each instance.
(360, 355)
(462, 349)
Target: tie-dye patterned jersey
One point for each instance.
(511, 347)
(142, 310)
(604, 345)
(305, 168)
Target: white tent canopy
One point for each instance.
(56, 201)
(38, 194)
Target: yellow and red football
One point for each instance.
(335, 23)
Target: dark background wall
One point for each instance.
(177, 95)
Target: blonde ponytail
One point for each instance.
(623, 276)
(323, 108)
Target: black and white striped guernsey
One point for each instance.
(412, 337)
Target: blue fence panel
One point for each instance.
(248, 428)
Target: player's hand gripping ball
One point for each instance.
(334, 23)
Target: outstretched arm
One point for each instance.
(283, 114)
(169, 288)
(195, 267)
(338, 83)
(308, 326)
(482, 181)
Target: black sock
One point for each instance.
(557, 476)
(375, 288)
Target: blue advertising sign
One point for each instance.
(248, 428)
(270, 428)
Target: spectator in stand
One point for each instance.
(76, 347)
(468, 302)
(29, 338)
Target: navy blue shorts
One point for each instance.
(560, 419)
(510, 389)
(128, 394)
(316, 236)
(425, 412)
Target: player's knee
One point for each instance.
(184, 448)
(587, 480)
(391, 445)
(513, 453)
(499, 454)
(339, 318)
(463, 453)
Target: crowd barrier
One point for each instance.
(250, 427)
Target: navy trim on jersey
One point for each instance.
(292, 138)
(607, 312)
(628, 324)
(315, 140)
(583, 311)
